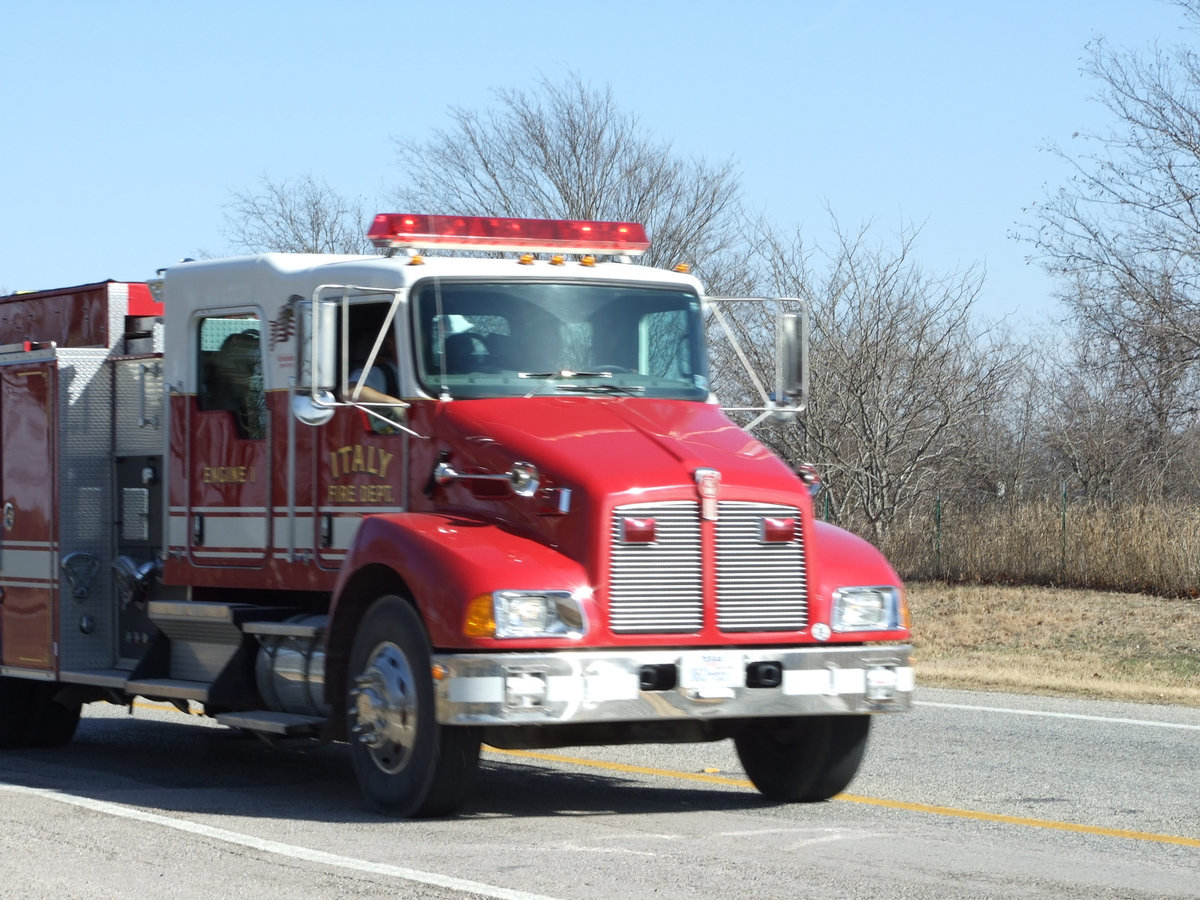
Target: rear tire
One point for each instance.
(805, 759)
(51, 723)
(16, 701)
(30, 716)
(406, 763)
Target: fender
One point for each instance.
(445, 561)
(847, 559)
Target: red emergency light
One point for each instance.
(402, 231)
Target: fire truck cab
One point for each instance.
(476, 490)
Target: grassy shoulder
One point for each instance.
(1059, 641)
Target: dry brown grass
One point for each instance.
(1151, 547)
(1059, 641)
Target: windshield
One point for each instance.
(503, 339)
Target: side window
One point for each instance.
(365, 322)
(230, 371)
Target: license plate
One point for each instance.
(712, 674)
(881, 682)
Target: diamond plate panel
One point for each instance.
(85, 521)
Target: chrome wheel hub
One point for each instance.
(385, 704)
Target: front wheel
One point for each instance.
(804, 759)
(406, 763)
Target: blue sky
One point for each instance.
(126, 125)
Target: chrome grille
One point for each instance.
(760, 586)
(655, 588)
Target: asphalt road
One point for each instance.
(970, 795)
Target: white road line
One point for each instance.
(267, 846)
(1057, 715)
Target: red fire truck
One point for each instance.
(475, 490)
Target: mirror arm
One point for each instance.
(741, 355)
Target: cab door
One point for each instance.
(28, 530)
(359, 463)
(229, 460)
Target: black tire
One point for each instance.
(805, 759)
(406, 763)
(52, 723)
(16, 701)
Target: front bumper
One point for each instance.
(644, 685)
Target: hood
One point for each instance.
(626, 448)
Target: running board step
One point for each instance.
(206, 639)
(283, 629)
(169, 689)
(105, 678)
(268, 722)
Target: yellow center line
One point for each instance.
(625, 767)
(1025, 822)
(869, 801)
(163, 707)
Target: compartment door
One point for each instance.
(28, 544)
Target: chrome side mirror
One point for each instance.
(317, 346)
(791, 364)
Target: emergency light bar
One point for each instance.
(400, 231)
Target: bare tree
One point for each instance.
(567, 151)
(1088, 435)
(299, 215)
(906, 386)
(1123, 234)
(1119, 425)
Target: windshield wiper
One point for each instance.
(601, 388)
(564, 373)
(548, 378)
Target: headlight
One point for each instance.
(866, 609)
(534, 614)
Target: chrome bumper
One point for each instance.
(607, 686)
